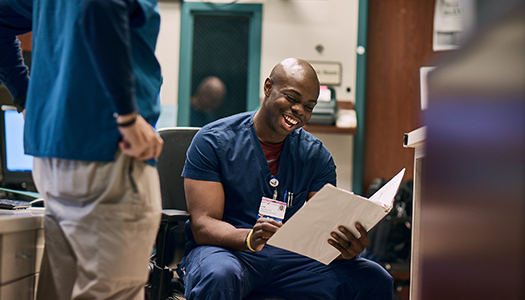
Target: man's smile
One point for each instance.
(290, 122)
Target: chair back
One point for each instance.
(170, 165)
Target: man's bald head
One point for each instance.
(291, 93)
(209, 94)
(293, 68)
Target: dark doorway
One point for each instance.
(220, 50)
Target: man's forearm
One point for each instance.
(13, 71)
(106, 34)
(219, 233)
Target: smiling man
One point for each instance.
(236, 164)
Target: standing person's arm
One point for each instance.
(106, 26)
(13, 71)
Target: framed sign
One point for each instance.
(329, 73)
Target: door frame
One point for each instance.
(358, 164)
(188, 11)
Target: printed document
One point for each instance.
(307, 232)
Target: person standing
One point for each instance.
(90, 107)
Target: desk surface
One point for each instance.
(21, 220)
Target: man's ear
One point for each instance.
(268, 86)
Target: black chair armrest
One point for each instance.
(169, 220)
(162, 276)
(174, 215)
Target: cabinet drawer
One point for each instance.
(17, 255)
(22, 289)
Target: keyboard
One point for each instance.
(14, 204)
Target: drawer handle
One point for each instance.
(23, 255)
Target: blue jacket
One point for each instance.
(90, 60)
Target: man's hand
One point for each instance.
(354, 246)
(263, 229)
(139, 140)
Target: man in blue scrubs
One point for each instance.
(234, 162)
(89, 107)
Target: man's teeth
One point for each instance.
(290, 120)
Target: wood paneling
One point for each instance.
(25, 41)
(399, 43)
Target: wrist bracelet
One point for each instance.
(247, 241)
(128, 123)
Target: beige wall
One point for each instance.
(290, 28)
(168, 50)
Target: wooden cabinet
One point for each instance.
(26, 41)
(21, 249)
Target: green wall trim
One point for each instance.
(359, 138)
(186, 46)
(185, 63)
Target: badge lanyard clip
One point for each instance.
(274, 182)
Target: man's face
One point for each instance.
(290, 103)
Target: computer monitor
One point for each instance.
(16, 166)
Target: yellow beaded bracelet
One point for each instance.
(247, 241)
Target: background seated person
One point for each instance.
(206, 100)
(228, 169)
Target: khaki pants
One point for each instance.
(100, 227)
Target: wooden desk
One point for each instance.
(332, 128)
(329, 129)
(21, 249)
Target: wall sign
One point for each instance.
(329, 73)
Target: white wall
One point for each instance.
(291, 28)
(168, 50)
(294, 28)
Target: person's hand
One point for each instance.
(139, 140)
(354, 246)
(262, 231)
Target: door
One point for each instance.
(219, 61)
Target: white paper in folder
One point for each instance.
(307, 232)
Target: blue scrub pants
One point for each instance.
(211, 272)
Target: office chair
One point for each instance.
(174, 213)
(174, 209)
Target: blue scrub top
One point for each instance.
(229, 151)
(69, 107)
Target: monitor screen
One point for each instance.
(16, 160)
(16, 166)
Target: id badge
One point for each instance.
(273, 209)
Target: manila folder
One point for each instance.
(307, 232)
